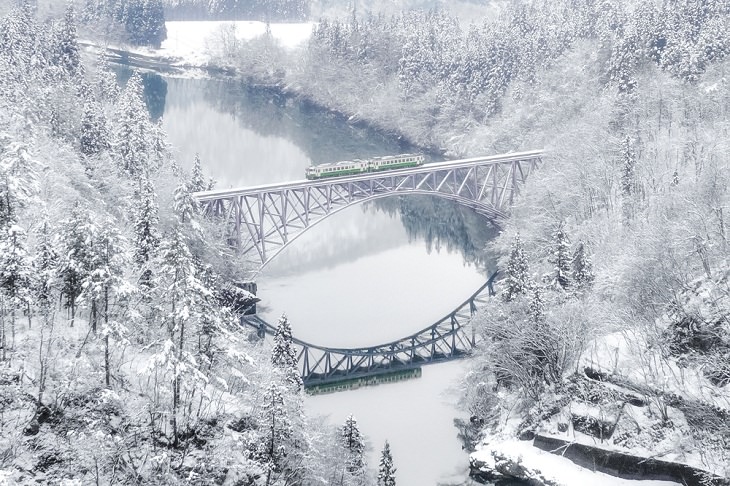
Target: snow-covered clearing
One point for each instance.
(194, 41)
(547, 468)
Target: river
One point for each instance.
(372, 273)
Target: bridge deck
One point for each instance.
(428, 167)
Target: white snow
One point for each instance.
(193, 41)
(544, 466)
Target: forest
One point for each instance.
(122, 359)
(614, 258)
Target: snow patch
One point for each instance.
(545, 468)
(193, 41)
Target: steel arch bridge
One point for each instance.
(267, 218)
(451, 337)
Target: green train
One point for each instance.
(360, 166)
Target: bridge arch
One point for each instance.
(451, 337)
(268, 218)
(488, 211)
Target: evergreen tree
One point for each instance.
(197, 179)
(18, 179)
(180, 293)
(628, 178)
(628, 173)
(67, 53)
(45, 270)
(15, 275)
(537, 306)
(132, 132)
(146, 221)
(354, 445)
(76, 241)
(284, 356)
(104, 281)
(560, 256)
(276, 433)
(386, 471)
(185, 205)
(518, 272)
(94, 134)
(582, 267)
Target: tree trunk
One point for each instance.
(73, 311)
(29, 315)
(106, 335)
(93, 315)
(2, 331)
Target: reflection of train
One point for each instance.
(358, 166)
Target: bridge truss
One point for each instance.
(268, 218)
(450, 338)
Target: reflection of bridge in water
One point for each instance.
(268, 218)
(452, 337)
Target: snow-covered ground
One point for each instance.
(193, 41)
(547, 468)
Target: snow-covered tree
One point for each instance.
(186, 207)
(45, 271)
(276, 431)
(94, 133)
(179, 293)
(15, 276)
(628, 177)
(146, 235)
(386, 470)
(560, 256)
(283, 354)
(77, 235)
(18, 179)
(582, 267)
(537, 305)
(133, 142)
(518, 280)
(67, 54)
(104, 286)
(354, 445)
(197, 179)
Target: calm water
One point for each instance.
(370, 274)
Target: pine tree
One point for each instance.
(146, 221)
(518, 272)
(386, 471)
(76, 240)
(15, 275)
(560, 257)
(184, 205)
(67, 48)
(582, 267)
(628, 178)
(284, 356)
(537, 306)
(94, 134)
(276, 433)
(180, 294)
(18, 179)
(354, 445)
(628, 173)
(104, 281)
(45, 270)
(197, 179)
(132, 132)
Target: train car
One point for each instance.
(395, 162)
(358, 166)
(337, 169)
